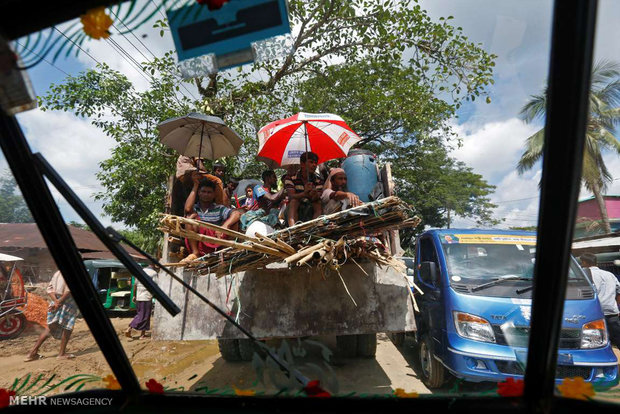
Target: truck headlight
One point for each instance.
(594, 334)
(473, 327)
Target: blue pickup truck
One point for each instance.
(475, 312)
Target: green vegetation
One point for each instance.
(604, 116)
(404, 77)
(13, 208)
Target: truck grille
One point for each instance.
(562, 371)
(587, 293)
(519, 335)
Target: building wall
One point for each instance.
(589, 208)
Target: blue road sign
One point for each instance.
(229, 32)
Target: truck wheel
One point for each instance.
(397, 338)
(12, 325)
(433, 373)
(367, 345)
(246, 349)
(229, 348)
(346, 346)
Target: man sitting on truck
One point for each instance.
(335, 196)
(188, 167)
(207, 210)
(303, 188)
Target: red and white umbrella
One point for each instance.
(327, 135)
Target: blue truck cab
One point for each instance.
(475, 311)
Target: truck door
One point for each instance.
(431, 303)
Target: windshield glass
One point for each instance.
(479, 262)
(283, 159)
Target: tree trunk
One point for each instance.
(596, 189)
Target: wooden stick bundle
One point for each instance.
(326, 241)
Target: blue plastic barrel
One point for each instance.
(361, 170)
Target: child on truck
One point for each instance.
(304, 187)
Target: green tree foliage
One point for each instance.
(404, 123)
(79, 225)
(438, 186)
(429, 59)
(604, 108)
(142, 240)
(13, 208)
(526, 228)
(136, 174)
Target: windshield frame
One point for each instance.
(569, 75)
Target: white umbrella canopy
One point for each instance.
(198, 135)
(283, 141)
(9, 258)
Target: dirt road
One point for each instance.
(194, 365)
(198, 366)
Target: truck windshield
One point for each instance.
(482, 263)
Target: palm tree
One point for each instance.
(604, 116)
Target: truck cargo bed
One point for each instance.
(279, 302)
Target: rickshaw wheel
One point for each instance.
(12, 325)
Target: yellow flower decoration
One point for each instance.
(243, 393)
(96, 23)
(576, 388)
(401, 393)
(111, 382)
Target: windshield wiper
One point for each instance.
(527, 289)
(497, 281)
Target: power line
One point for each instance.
(42, 58)
(79, 47)
(158, 9)
(145, 46)
(516, 199)
(131, 63)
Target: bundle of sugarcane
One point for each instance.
(325, 239)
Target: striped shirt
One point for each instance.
(296, 182)
(214, 214)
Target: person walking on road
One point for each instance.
(608, 289)
(61, 316)
(144, 306)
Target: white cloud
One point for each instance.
(74, 148)
(493, 149)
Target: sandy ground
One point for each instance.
(198, 366)
(194, 365)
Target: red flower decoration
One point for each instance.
(313, 389)
(154, 386)
(510, 388)
(213, 4)
(5, 397)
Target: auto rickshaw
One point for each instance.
(113, 283)
(13, 299)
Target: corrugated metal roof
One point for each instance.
(604, 243)
(27, 235)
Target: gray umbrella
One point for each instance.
(240, 190)
(198, 135)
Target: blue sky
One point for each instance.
(518, 32)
